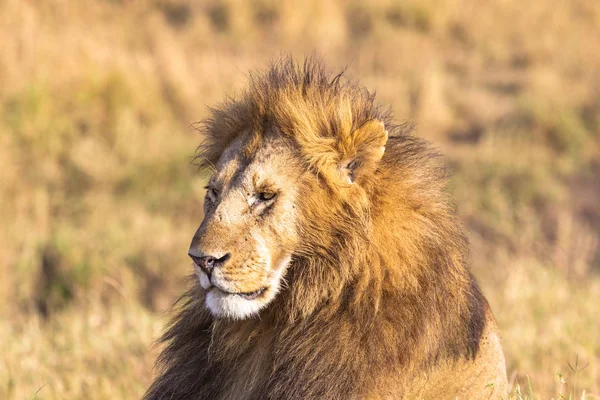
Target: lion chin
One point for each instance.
(232, 306)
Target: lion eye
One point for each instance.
(211, 193)
(266, 196)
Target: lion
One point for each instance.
(330, 262)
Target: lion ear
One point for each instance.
(367, 148)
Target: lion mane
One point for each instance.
(378, 302)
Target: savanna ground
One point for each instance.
(98, 199)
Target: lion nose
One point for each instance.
(208, 263)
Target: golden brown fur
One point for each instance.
(378, 300)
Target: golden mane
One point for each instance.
(380, 286)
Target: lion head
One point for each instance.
(275, 194)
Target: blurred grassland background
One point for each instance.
(98, 199)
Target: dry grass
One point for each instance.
(98, 199)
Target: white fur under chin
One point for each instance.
(233, 306)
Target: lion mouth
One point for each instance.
(252, 295)
(246, 295)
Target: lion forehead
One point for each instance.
(270, 162)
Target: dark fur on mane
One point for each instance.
(376, 286)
